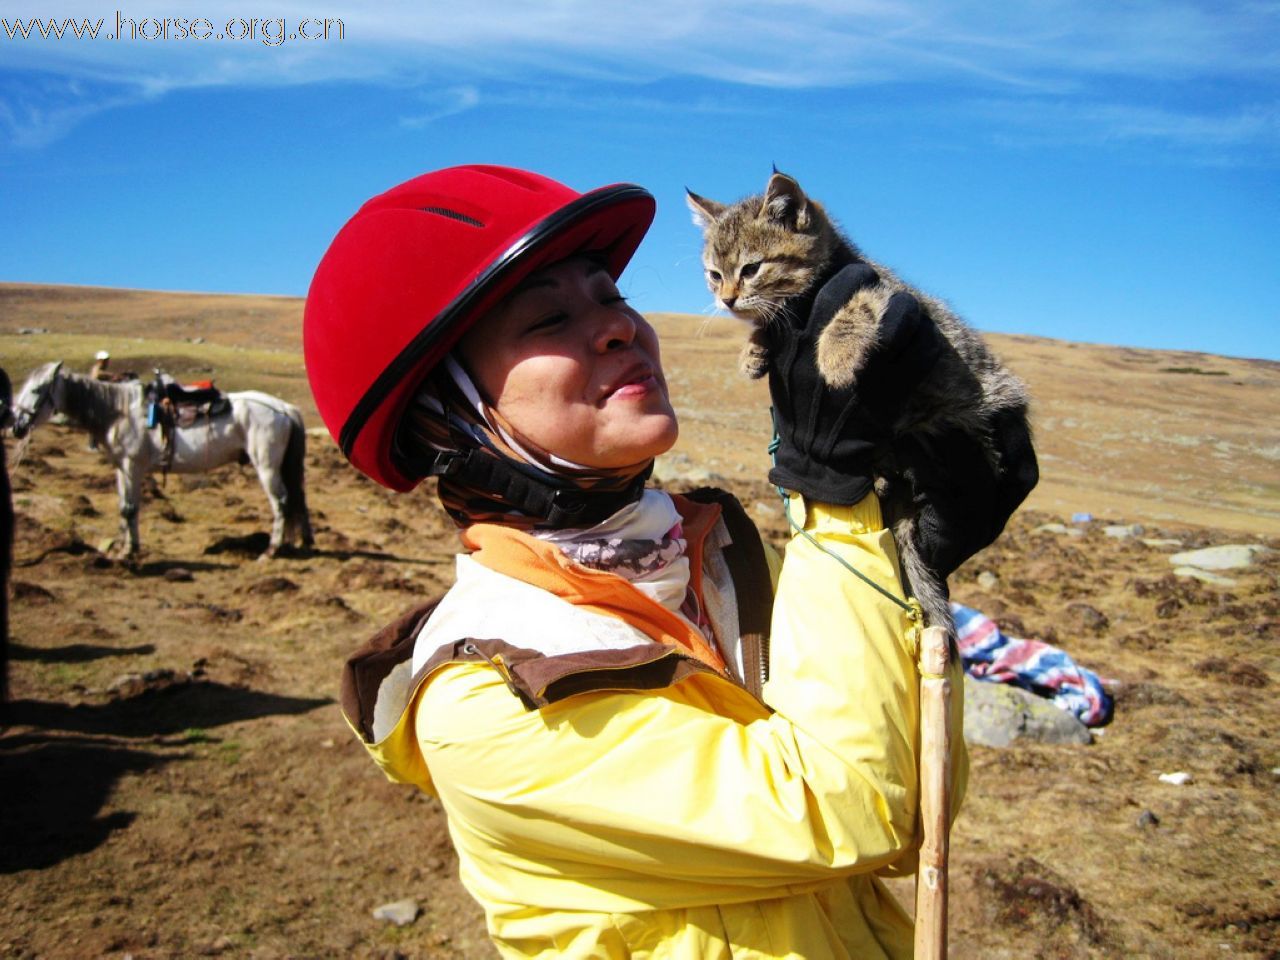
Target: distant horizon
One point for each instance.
(701, 317)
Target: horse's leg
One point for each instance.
(293, 469)
(273, 483)
(129, 487)
(308, 538)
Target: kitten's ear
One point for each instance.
(785, 202)
(705, 212)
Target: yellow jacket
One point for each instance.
(633, 801)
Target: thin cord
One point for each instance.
(914, 611)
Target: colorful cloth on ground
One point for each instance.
(988, 654)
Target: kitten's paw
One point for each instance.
(754, 360)
(831, 367)
(837, 364)
(845, 341)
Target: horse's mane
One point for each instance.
(96, 404)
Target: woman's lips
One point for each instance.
(636, 382)
(637, 388)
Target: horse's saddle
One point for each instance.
(173, 404)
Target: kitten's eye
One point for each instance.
(749, 270)
(715, 276)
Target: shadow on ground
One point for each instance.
(158, 568)
(59, 763)
(76, 652)
(51, 805)
(176, 708)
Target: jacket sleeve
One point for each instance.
(697, 794)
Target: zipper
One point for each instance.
(755, 663)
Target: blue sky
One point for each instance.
(1104, 172)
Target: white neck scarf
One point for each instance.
(643, 543)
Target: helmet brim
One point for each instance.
(609, 222)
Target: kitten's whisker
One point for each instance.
(773, 309)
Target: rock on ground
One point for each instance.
(997, 714)
(1204, 576)
(1230, 556)
(401, 912)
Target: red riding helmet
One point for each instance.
(416, 266)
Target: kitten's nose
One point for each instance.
(729, 302)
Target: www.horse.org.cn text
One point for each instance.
(271, 31)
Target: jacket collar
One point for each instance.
(533, 561)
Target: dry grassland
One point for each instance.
(221, 807)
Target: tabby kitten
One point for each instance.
(763, 252)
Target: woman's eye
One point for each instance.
(547, 322)
(749, 270)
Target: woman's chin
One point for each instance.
(642, 443)
(665, 438)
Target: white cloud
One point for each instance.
(443, 103)
(1058, 47)
(1241, 135)
(33, 115)
(810, 42)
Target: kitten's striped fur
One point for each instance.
(762, 251)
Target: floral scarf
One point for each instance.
(643, 543)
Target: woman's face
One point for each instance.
(573, 368)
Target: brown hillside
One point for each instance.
(1141, 435)
(178, 780)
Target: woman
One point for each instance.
(628, 768)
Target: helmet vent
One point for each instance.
(453, 215)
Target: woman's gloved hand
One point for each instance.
(832, 440)
(828, 438)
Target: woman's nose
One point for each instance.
(614, 329)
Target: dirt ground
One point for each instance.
(178, 780)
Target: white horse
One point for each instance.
(261, 429)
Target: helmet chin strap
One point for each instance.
(501, 468)
(555, 503)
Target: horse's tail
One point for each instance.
(296, 517)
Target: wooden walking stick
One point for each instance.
(935, 795)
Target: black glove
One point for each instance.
(961, 500)
(829, 439)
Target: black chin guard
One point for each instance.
(554, 503)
